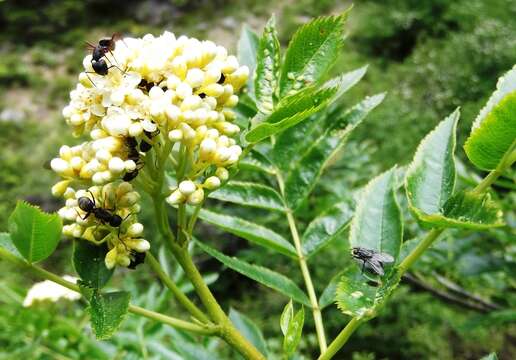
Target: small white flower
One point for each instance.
(51, 291)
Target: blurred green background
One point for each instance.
(430, 56)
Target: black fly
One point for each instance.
(371, 259)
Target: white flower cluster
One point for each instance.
(51, 291)
(157, 91)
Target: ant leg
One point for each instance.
(82, 218)
(89, 78)
(92, 198)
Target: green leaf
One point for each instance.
(430, 178)
(249, 329)
(325, 228)
(250, 231)
(491, 356)
(377, 224)
(249, 194)
(7, 243)
(107, 312)
(267, 68)
(311, 53)
(34, 232)
(260, 274)
(247, 50)
(306, 172)
(88, 261)
(466, 210)
(357, 296)
(294, 109)
(286, 316)
(494, 137)
(328, 294)
(256, 161)
(291, 144)
(294, 331)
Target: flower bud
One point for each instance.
(222, 174)
(135, 230)
(175, 135)
(60, 188)
(175, 198)
(129, 199)
(140, 245)
(116, 165)
(110, 259)
(123, 260)
(212, 183)
(196, 197)
(187, 187)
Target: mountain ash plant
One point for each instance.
(178, 121)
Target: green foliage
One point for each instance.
(493, 136)
(326, 228)
(305, 173)
(378, 223)
(88, 261)
(249, 194)
(253, 232)
(107, 312)
(267, 68)
(292, 327)
(249, 329)
(34, 233)
(7, 244)
(311, 52)
(247, 50)
(260, 274)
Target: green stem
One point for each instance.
(174, 322)
(316, 310)
(418, 251)
(341, 339)
(228, 332)
(169, 283)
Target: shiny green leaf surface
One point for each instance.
(377, 224)
(88, 261)
(264, 276)
(325, 228)
(250, 231)
(34, 232)
(311, 53)
(107, 312)
(430, 178)
(294, 332)
(495, 135)
(249, 194)
(247, 51)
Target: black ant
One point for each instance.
(104, 215)
(137, 258)
(98, 60)
(144, 145)
(133, 155)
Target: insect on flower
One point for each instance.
(134, 155)
(371, 259)
(104, 215)
(98, 55)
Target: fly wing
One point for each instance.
(383, 257)
(375, 266)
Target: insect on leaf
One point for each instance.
(377, 224)
(34, 232)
